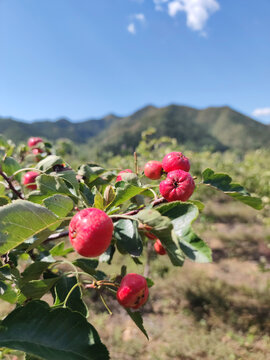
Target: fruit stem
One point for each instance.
(105, 304)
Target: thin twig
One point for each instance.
(11, 186)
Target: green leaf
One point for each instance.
(74, 302)
(224, 183)
(107, 255)
(59, 249)
(138, 320)
(90, 172)
(10, 165)
(57, 334)
(163, 229)
(35, 289)
(60, 205)
(87, 195)
(21, 220)
(49, 162)
(4, 200)
(127, 236)
(124, 192)
(49, 185)
(99, 203)
(150, 282)
(89, 266)
(70, 177)
(34, 271)
(182, 216)
(8, 295)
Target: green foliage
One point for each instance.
(35, 263)
(51, 334)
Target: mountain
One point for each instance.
(217, 128)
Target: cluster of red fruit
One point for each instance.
(179, 184)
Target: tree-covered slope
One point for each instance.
(216, 128)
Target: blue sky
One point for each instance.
(87, 58)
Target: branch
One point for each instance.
(10, 185)
(133, 212)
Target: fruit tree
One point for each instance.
(98, 212)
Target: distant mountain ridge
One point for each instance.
(218, 128)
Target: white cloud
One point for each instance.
(261, 112)
(139, 17)
(159, 4)
(197, 11)
(131, 28)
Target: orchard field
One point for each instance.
(210, 311)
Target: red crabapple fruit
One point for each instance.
(90, 232)
(29, 179)
(133, 291)
(32, 141)
(119, 177)
(179, 185)
(153, 169)
(175, 161)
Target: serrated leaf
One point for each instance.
(57, 334)
(182, 216)
(21, 220)
(127, 237)
(35, 289)
(224, 183)
(34, 270)
(60, 205)
(163, 229)
(138, 320)
(89, 266)
(124, 192)
(49, 185)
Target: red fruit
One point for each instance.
(119, 177)
(159, 248)
(32, 141)
(29, 179)
(179, 185)
(153, 170)
(37, 151)
(90, 232)
(150, 236)
(133, 291)
(175, 161)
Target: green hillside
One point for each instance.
(216, 128)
